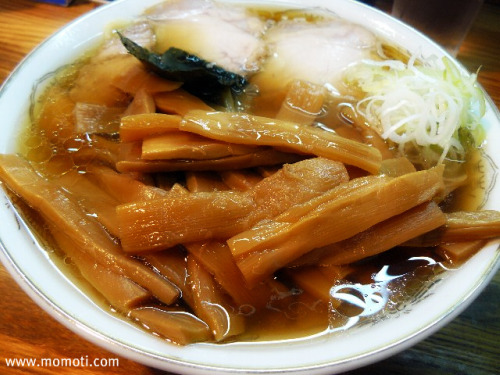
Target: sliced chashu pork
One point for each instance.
(271, 55)
(316, 52)
(225, 35)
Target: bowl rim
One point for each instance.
(31, 287)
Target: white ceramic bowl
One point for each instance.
(52, 290)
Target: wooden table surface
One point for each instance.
(468, 345)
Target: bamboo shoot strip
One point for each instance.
(94, 148)
(462, 226)
(459, 251)
(185, 145)
(172, 264)
(255, 130)
(204, 181)
(123, 187)
(384, 236)
(396, 167)
(471, 225)
(261, 157)
(241, 180)
(142, 103)
(121, 292)
(61, 211)
(277, 242)
(137, 77)
(317, 282)
(369, 134)
(179, 102)
(217, 259)
(91, 198)
(303, 102)
(138, 127)
(179, 326)
(162, 223)
(294, 184)
(211, 303)
(242, 244)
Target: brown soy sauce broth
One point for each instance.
(377, 288)
(384, 287)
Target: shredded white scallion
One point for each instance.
(423, 104)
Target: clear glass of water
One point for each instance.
(447, 22)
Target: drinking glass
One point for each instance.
(447, 22)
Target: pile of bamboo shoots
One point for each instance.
(192, 257)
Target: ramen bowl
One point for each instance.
(332, 352)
